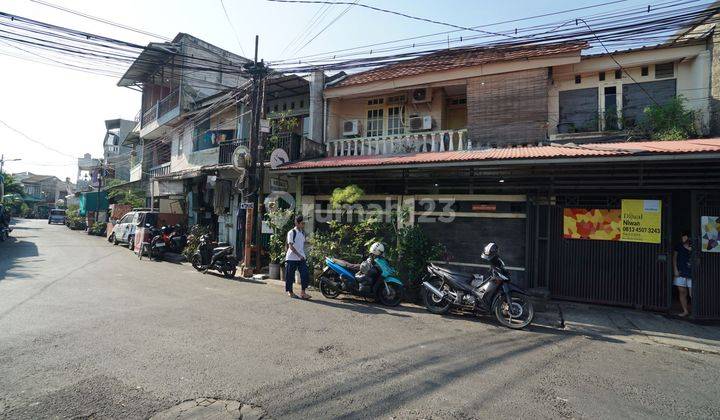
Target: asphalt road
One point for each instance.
(88, 330)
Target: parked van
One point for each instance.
(56, 216)
(124, 229)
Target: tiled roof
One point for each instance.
(535, 152)
(456, 58)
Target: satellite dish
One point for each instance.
(240, 157)
(278, 157)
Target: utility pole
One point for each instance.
(258, 71)
(2, 177)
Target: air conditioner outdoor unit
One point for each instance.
(420, 123)
(351, 128)
(421, 95)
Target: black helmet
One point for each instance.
(165, 229)
(490, 251)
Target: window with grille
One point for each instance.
(664, 70)
(395, 125)
(374, 123)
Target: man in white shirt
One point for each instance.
(295, 259)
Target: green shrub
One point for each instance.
(281, 221)
(672, 121)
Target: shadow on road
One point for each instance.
(415, 373)
(11, 251)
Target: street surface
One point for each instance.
(87, 330)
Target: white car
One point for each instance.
(124, 229)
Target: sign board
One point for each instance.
(484, 207)
(641, 221)
(264, 126)
(278, 157)
(278, 184)
(710, 233)
(597, 224)
(247, 205)
(266, 227)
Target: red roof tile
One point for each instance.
(456, 58)
(536, 152)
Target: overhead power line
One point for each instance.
(326, 26)
(99, 19)
(237, 37)
(38, 142)
(379, 9)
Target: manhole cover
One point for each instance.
(202, 408)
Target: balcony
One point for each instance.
(424, 142)
(160, 170)
(164, 111)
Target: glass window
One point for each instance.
(203, 138)
(395, 125)
(374, 123)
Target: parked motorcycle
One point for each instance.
(177, 240)
(5, 233)
(495, 294)
(155, 248)
(214, 256)
(374, 278)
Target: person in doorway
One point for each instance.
(295, 259)
(682, 271)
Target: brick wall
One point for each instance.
(510, 108)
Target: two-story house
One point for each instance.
(42, 192)
(527, 146)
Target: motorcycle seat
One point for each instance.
(221, 248)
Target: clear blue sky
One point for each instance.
(67, 109)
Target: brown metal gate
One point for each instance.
(606, 272)
(706, 267)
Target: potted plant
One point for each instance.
(281, 222)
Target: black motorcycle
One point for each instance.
(494, 294)
(177, 240)
(214, 256)
(155, 248)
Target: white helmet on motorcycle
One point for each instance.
(490, 251)
(377, 249)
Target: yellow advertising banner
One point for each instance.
(641, 221)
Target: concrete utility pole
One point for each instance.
(258, 72)
(2, 177)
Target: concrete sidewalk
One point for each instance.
(632, 325)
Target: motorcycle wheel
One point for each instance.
(391, 297)
(113, 239)
(196, 262)
(327, 289)
(518, 316)
(131, 243)
(434, 304)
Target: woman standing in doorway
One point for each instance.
(682, 271)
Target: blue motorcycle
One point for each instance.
(374, 279)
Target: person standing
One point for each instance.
(682, 271)
(295, 259)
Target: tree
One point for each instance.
(12, 186)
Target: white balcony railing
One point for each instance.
(160, 170)
(433, 141)
(161, 107)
